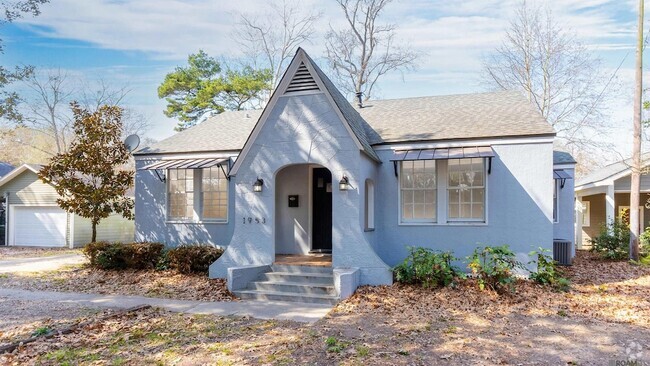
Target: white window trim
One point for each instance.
(198, 203)
(369, 205)
(416, 222)
(441, 200)
(586, 213)
(485, 198)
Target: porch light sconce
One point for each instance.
(257, 186)
(344, 184)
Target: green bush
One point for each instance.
(143, 255)
(613, 241)
(494, 267)
(106, 255)
(547, 272)
(427, 267)
(193, 258)
(644, 243)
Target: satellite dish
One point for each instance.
(132, 142)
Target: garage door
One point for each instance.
(41, 226)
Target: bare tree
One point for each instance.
(271, 40)
(93, 96)
(635, 180)
(46, 105)
(363, 52)
(555, 72)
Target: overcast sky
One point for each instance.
(138, 42)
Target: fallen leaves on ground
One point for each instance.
(150, 283)
(606, 310)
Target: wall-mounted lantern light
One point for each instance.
(344, 184)
(257, 186)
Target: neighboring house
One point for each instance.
(34, 218)
(312, 174)
(604, 195)
(4, 169)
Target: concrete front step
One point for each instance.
(294, 287)
(286, 296)
(301, 269)
(298, 277)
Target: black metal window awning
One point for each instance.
(444, 154)
(189, 164)
(562, 175)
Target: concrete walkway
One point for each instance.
(300, 312)
(37, 264)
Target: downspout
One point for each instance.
(6, 196)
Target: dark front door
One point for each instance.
(321, 211)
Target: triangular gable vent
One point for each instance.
(302, 81)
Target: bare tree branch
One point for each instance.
(556, 73)
(363, 52)
(271, 39)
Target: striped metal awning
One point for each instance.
(560, 174)
(444, 153)
(186, 164)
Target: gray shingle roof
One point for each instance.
(5, 168)
(358, 125)
(479, 115)
(465, 116)
(562, 157)
(610, 170)
(222, 132)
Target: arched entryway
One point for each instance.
(303, 213)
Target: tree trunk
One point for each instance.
(635, 184)
(94, 236)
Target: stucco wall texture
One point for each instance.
(306, 130)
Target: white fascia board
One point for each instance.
(465, 143)
(188, 155)
(12, 174)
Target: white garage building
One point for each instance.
(34, 218)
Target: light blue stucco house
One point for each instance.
(313, 175)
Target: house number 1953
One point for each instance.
(254, 220)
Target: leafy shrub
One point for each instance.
(92, 251)
(494, 267)
(106, 255)
(143, 255)
(644, 243)
(193, 258)
(613, 241)
(427, 267)
(547, 272)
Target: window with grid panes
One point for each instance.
(181, 194)
(466, 189)
(214, 189)
(418, 191)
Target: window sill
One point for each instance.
(191, 222)
(459, 223)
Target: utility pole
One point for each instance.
(635, 181)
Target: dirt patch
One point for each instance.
(162, 284)
(33, 252)
(392, 325)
